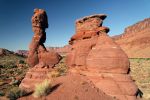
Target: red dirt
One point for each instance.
(73, 87)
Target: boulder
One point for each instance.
(107, 56)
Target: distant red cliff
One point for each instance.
(61, 50)
(135, 40)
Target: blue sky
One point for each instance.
(15, 18)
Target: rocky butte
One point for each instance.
(95, 55)
(135, 40)
(39, 59)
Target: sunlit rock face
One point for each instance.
(37, 50)
(39, 59)
(95, 55)
(84, 39)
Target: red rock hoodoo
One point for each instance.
(95, 55)
(39, 59)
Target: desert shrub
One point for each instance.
(62, 69)
(1, 66)
(16, 93)
(42, 89)
(2, 93)
(21, 62)
(54, 74)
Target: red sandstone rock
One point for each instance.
(113, 84)
(72, 87)
(40, 60)
(34, 76)
(37, 50)
(85, 38)
(49, 58)
(95, 55)
(107, 56)
(89, 22)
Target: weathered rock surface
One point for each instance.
(107, 56)
(73, 87)
(84, 39)
(34, 76)
(135, 40)
(95, 55)
(39, 59)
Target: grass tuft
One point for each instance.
(42, 89)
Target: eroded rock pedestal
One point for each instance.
(95, 55)
(40, 60)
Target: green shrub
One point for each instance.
(42, 89)
(16, 93)
(21, 62)
(2, 93)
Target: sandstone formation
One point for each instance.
(135, 40)
(73, 87)
(84, 39)
(95, 55)
(39, 59)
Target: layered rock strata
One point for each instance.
(39, 59)
(95, 55)
(135, 40)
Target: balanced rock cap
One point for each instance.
(101, 16)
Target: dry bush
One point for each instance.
(140, 72)
(16, 93)
(42, 89)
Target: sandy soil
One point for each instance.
(72, 87)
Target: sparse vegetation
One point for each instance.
(16, 93)
(140, 72)
(42, 89)
(60, 69)
(11, 74)
(2, 93)
(54, 74)
(9, 66)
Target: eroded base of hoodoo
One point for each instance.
(119, 86)
(35, 76)
(41, 71)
